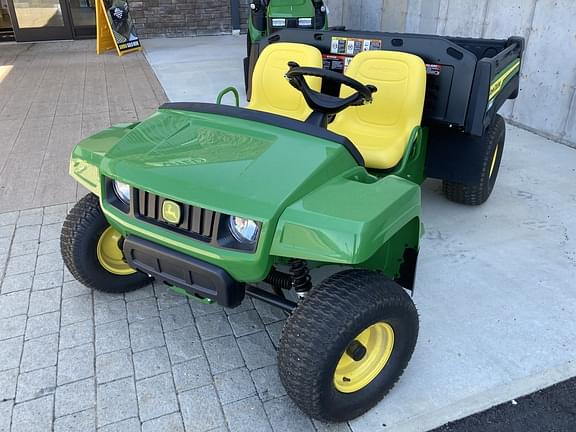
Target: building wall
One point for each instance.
(244, 12)
(547, 100)
(178, 18)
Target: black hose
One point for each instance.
(279, 279)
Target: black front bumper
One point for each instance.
(177, 269)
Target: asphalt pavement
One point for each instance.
(550, 410)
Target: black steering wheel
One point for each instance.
(323, 103)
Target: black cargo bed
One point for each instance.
(468, 79)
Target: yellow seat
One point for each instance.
(381, 130)
(271, 92)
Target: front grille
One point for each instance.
(196, 222)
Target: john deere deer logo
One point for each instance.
(171, 212)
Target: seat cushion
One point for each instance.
(271, 92)
(381, 130)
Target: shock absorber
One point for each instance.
(301, 280)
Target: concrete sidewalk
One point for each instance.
(197, 69)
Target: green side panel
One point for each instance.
(411, 167)
(348, 219)
(255, 34)
(390, 256)
(290, 8)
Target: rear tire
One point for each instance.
(320, 332)
(493, 143)
(83, 228)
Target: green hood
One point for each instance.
(222, 163)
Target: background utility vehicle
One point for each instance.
(269, 16)
(323, 167)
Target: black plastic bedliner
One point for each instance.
(461, 71)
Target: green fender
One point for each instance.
(352, 220)
(86, 157)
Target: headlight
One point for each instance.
(243, 230)
(122, 191)
(278, 22)
(304, 22)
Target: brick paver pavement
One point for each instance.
(52, 95)
(149, 360)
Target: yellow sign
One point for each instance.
(115, 28)
(171, 212)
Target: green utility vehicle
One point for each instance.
(269, 16)
(322, 168)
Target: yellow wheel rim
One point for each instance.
(494, 160)
(364, 358)
(110, 255)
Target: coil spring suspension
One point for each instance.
(301, 280)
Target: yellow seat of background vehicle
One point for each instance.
(381, 130)
(271, 92)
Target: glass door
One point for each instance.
(83, 14)
(36, 20)
(6, 31)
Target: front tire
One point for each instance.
(493, 144)
(91, 251)
(347, 344)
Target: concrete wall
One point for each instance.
(547, 101)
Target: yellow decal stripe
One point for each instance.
(501, 80)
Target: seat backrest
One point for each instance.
(381, 130)
(271, 92)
